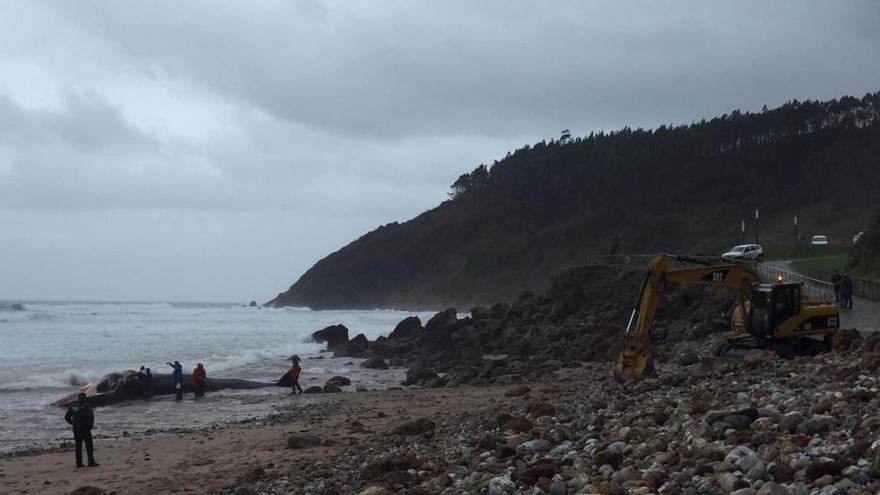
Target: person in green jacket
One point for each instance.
(82, 418)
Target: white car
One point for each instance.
(819, 240)
(745, 252)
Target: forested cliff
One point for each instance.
(684, 188)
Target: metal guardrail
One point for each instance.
(819, 289)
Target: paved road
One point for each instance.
(864, 315)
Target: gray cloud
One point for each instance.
(496, 68)
(156, 149)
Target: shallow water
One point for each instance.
(46, 349)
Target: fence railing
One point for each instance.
(824, 291)
(819, 289)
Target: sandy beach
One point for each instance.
(210, 461)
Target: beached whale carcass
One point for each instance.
(127, 385)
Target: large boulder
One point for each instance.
(375, 363)
(408, 327)
(414, 427)
(336, 336)
(339, 381)
(314, 389)
(420, 376)
(481, 313)
(379, 468)
(500, 310)
(818, 424)
(356, 347)
(443, 320)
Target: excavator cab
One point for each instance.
(771, 305)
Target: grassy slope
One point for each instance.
(791, 252)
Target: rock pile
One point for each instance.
(807, 426)
(579, 319)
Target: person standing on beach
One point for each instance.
(295, 370)
(147, 391)
(177, 376)
(198, 380)
(82, 418)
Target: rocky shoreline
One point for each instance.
(710, 426)
(519, 399)
(580, 319)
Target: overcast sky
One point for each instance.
(213, 151)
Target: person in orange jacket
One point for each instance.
(198, 380)
(295, 370)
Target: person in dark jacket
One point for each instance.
(198, 380)
(835, 280)
(846, 290)
(177, 375)
(82, 418)
(147, 385)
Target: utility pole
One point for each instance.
(742, 232)
(795, 230)
(757, 219)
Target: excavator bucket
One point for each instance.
(630, 366)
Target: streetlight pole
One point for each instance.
(742, 232)
(757, 217)
(795, 230)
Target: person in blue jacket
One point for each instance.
(177, 375)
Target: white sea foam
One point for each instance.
(63, 380)
(48, 349)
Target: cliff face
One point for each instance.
(676, 189)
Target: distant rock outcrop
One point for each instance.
(336, 336)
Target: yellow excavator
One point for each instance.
(775, 316)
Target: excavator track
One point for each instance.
(786, 349)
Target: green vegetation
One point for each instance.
(509, 224)
(826, 263)
(792, 252)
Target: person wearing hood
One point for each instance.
(198, 380)
(177, 376)
(295, 371)
(82, 418)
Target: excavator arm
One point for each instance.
(634, 360)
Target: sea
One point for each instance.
(49, 349)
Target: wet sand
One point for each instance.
(212, 460)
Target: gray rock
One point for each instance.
(375, 363)
(790, 421)
(817, 425)
(533, 446)
(501, 486)
(772, 488)
(414, 427)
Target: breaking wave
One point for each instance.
(64, 380)
(11, 307)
